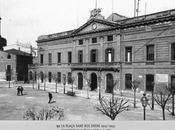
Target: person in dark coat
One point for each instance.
(18, 90)
(21, 90)
(50, 97)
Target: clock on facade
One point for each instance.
(94, 26)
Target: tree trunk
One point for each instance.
(163, 113)
(112, 97)
(173, 103)
(33, 84)
(134, 98)
(56, 88)
(44, 86)
(72, 88)
(9, 83)
(152, 100)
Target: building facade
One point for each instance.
(113, 50)
(14, 65)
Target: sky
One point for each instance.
(25, 20)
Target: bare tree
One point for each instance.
(55, 78)
(72, 83)
(112, 107)
(162, 95)
(45, 79)
(171, 108)
(9, 75)
(135, 85)
(88, 82)
(113, 86)
(38, 78)
(53, 113)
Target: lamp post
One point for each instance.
(64, 81)
(144, 101)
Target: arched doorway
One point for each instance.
(80, 80)
(93, 81)
(109, 83)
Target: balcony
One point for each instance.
(103, 66)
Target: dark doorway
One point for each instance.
(80, 81)
(109, 83)
(42, 77)
(128, 81)
(173, 82)
(149, 82)
(93, 81)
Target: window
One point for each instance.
(128, 81)
(110, 38)
(80, 42)
(109, 55)
(59, 57)
(50, 77)
(94, 55)
(80, 56)
(41, 59)
(8, 56)
(69, 77)
(173, 51)
(94, 40)
(59, 77)
(69, 57)
(150, 53)
(128, 54)
(50, 58)
(149, 82)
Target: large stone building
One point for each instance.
(14, 65)
(117, 49)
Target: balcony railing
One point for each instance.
(112, 66)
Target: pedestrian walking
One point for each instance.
(50, 97)
(21, 90)
(18, 90)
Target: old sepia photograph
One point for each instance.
(87, 61)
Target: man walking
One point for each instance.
(18, 90)
(50, 97)
(21, 89)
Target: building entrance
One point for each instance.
(93, 81)
(80, 80)
(109, 83)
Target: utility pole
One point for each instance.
(137, 10)
(112, 9)
(0, 26)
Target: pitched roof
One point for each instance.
(17, 52)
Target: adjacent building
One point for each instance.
(14, 65)
(116, 49)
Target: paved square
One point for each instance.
(77, 108)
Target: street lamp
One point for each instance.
(64, 81)
(144, 101)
